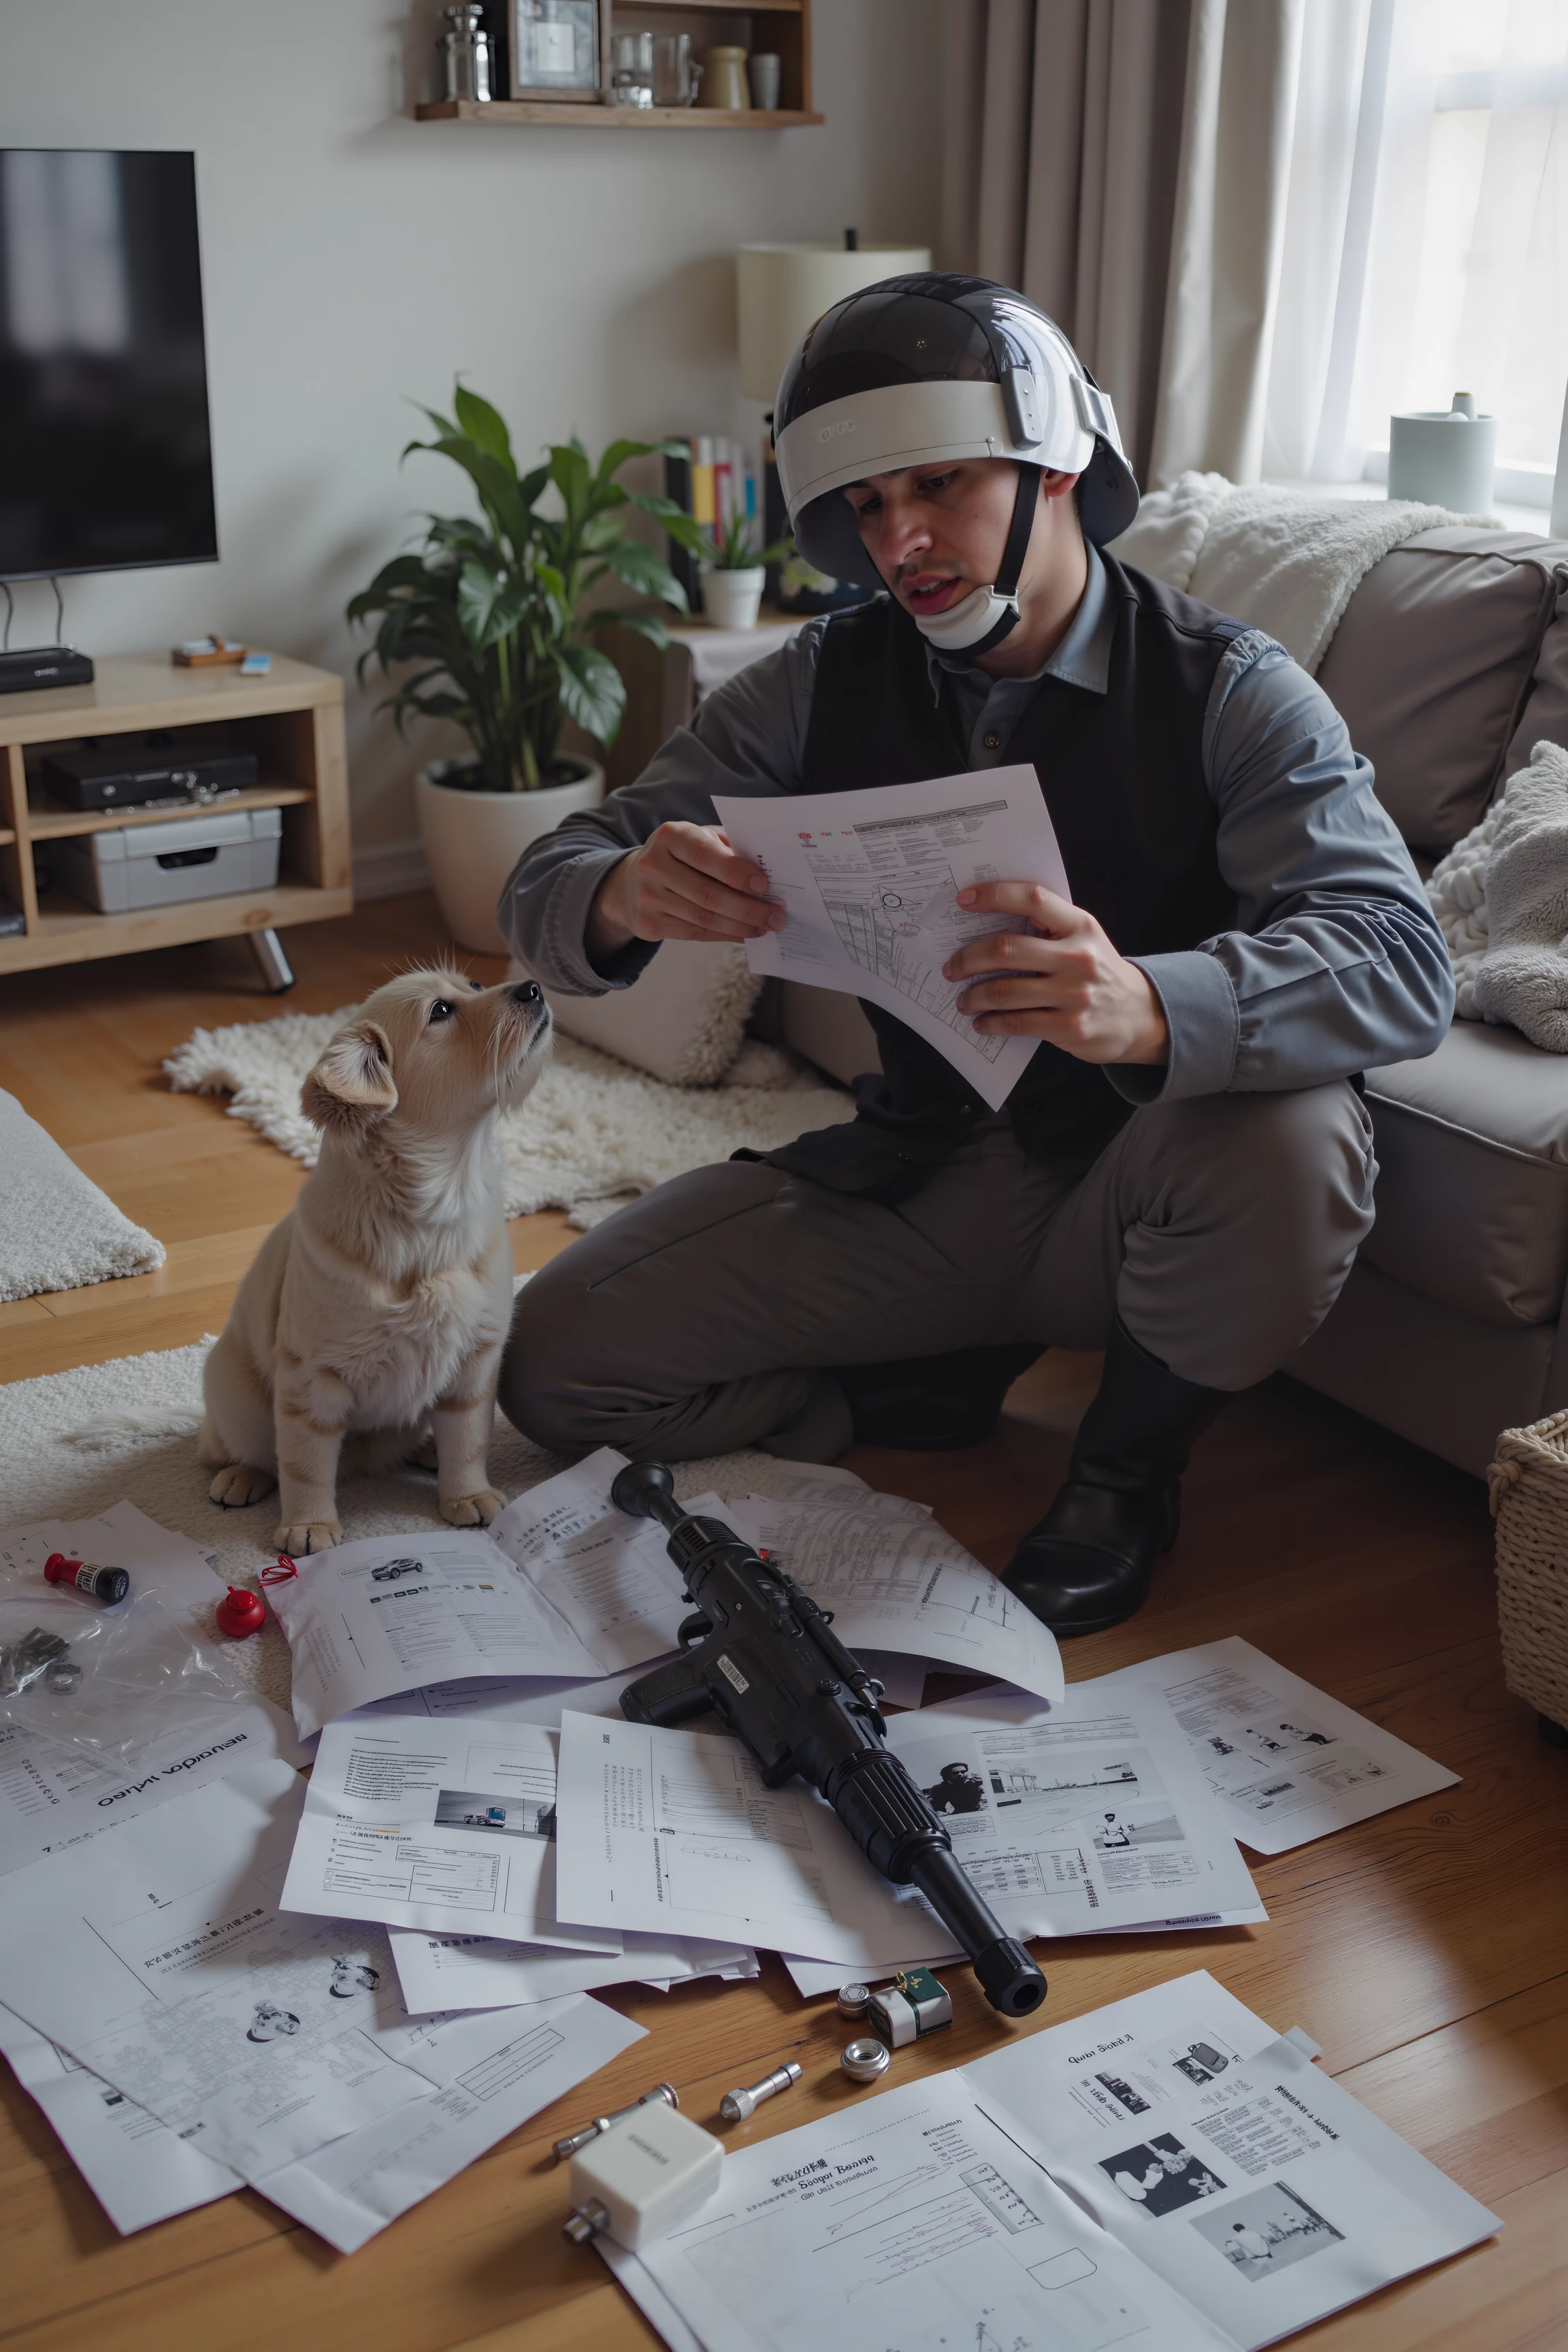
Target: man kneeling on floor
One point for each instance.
(1184, 1172)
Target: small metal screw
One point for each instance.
(736, 2106)
(863, 2061)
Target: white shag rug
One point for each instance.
(43, 1476)
(58, 1230)
(593, 1133)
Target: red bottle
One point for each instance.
(240, 1612)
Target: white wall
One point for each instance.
(354, 259)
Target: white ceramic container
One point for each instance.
(732, 600)
(472, 841)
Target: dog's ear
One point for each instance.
(351, 1087)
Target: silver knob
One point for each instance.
(736, 2106)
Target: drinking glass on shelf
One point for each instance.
(677, 75)
(631, 75)
(763, 71)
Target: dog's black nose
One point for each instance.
(525, 992)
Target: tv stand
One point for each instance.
(292, 720)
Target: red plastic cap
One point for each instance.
(58, 1569)
(240, 1612)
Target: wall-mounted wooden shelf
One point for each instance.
(498, 111)
(292, 720)
(782, 28)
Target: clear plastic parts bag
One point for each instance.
(112, 1682)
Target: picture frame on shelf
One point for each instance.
(559, 49)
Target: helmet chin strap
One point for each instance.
(981, 622)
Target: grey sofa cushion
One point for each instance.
(1472, 1189)
(1431, 669)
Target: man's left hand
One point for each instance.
(1067, 984)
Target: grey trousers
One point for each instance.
(707, 1314)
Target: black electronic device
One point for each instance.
(41, 666)
(126, 776)
(105, 442)
(762, 1653)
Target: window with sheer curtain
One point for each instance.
(1425, 235)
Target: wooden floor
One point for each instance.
(1426, 1950)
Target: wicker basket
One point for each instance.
(1529, 1482)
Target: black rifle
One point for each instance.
(763, 1653)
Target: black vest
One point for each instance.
(1122, 776)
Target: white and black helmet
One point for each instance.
(921, 369)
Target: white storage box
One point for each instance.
(162, 864)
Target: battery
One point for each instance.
(914, 2004)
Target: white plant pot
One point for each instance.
(472, 841)
(732, 600)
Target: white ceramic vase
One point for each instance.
(472, 841)
(732, 600)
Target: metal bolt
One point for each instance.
(854, 2000)
(736, 2106)
(864, 2061)
(575, 2140)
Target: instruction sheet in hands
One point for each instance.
(870, 881)
(1164, 2170)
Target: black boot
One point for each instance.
(1087, 1564)
(933, 1404)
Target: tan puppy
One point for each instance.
(379, 1305)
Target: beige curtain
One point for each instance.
(1125, 163)
(1063, 142)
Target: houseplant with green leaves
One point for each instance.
(488, 624)
(735, 571)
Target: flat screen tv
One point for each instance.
(105, 445)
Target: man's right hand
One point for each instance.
(684, 883)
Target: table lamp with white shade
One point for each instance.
(782, 289)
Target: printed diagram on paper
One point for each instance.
(1068, 1825)
(891, 895)
(870, 882)
(1288, 1763)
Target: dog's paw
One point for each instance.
(472, 1510)
(423, 1456)
(236, 1484)
(318, 1535)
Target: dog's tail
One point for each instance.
(106, 1429)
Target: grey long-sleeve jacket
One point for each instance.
(1336, 965)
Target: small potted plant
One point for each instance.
(489, 607)
(734, 570)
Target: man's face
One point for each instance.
(938, 532)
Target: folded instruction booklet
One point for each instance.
(1164, 2170)
(870, 881)
(563, 1585)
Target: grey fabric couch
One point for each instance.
(1450, 664)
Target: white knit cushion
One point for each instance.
(684, 1021)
